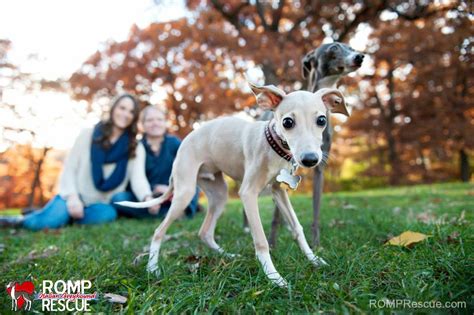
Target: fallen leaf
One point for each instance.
(407, 238)
(426, 217)
(139, 258)
(459, 221)
(336, 222)
(34, 254)
(193, 263)
(258, 293)
(115, 298)
(348, 206)
(453, 238)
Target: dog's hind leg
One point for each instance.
(216, 192)
(184, 182)
(280, 197)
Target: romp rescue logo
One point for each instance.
(58, 296)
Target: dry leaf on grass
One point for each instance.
(115, 298)
(337, 223)
(407, 238)
(453, 238)
(348, 206)
(139, 258)
(34, 254)
(426, 217)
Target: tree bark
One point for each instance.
(37, 178)
(464, 166)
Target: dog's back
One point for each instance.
(218, 145)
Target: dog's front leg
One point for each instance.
(280, 196)
(249, 196)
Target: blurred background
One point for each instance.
(61, 62)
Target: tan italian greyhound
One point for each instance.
(255, 153)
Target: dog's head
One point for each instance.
(301, 118)
(331, 59)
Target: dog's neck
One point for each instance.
(276, 142)
(327, 82)
(318, 81)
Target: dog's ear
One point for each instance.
(268, 96)
(334, 101)
(307, 63)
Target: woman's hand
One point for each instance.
(75, 207)
(153, 210)
(160, 189)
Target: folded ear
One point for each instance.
(268, 96)
(307, 63)
(334, 101)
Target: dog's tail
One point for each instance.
(150, 203)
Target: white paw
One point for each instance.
(319, 262)
(230, 255)
(153, 269)
(279, 281)
(246, 229)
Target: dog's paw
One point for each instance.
(230, 255)
(153, 269)
(280, 282)
(319, 262)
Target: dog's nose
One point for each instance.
(309, 159)
(358, 59)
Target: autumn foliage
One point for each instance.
(413, 113)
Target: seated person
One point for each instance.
(161, 149)
(99, 165)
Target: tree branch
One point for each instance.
(364, 15)
(421, 11)
(233, 16)
(309, 10)
(261, 14)
(277, 16)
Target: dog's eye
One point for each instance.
(288, 123)
(321, 121)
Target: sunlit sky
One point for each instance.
(63, 33)
(52, 38)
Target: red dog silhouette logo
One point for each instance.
(21, 294)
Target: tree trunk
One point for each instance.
(464, 166)
(37, 178)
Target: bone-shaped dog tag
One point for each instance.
(286, 177)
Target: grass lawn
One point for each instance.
(194, 279)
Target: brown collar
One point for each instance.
(276, 142)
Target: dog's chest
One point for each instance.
(275, 166)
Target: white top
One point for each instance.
(76, 177)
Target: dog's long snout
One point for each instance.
(309, 159)
(358, 59)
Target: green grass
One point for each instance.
(354, 229)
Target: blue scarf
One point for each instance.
(117, 153)
(158, 165)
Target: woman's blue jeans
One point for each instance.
(55, 215)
